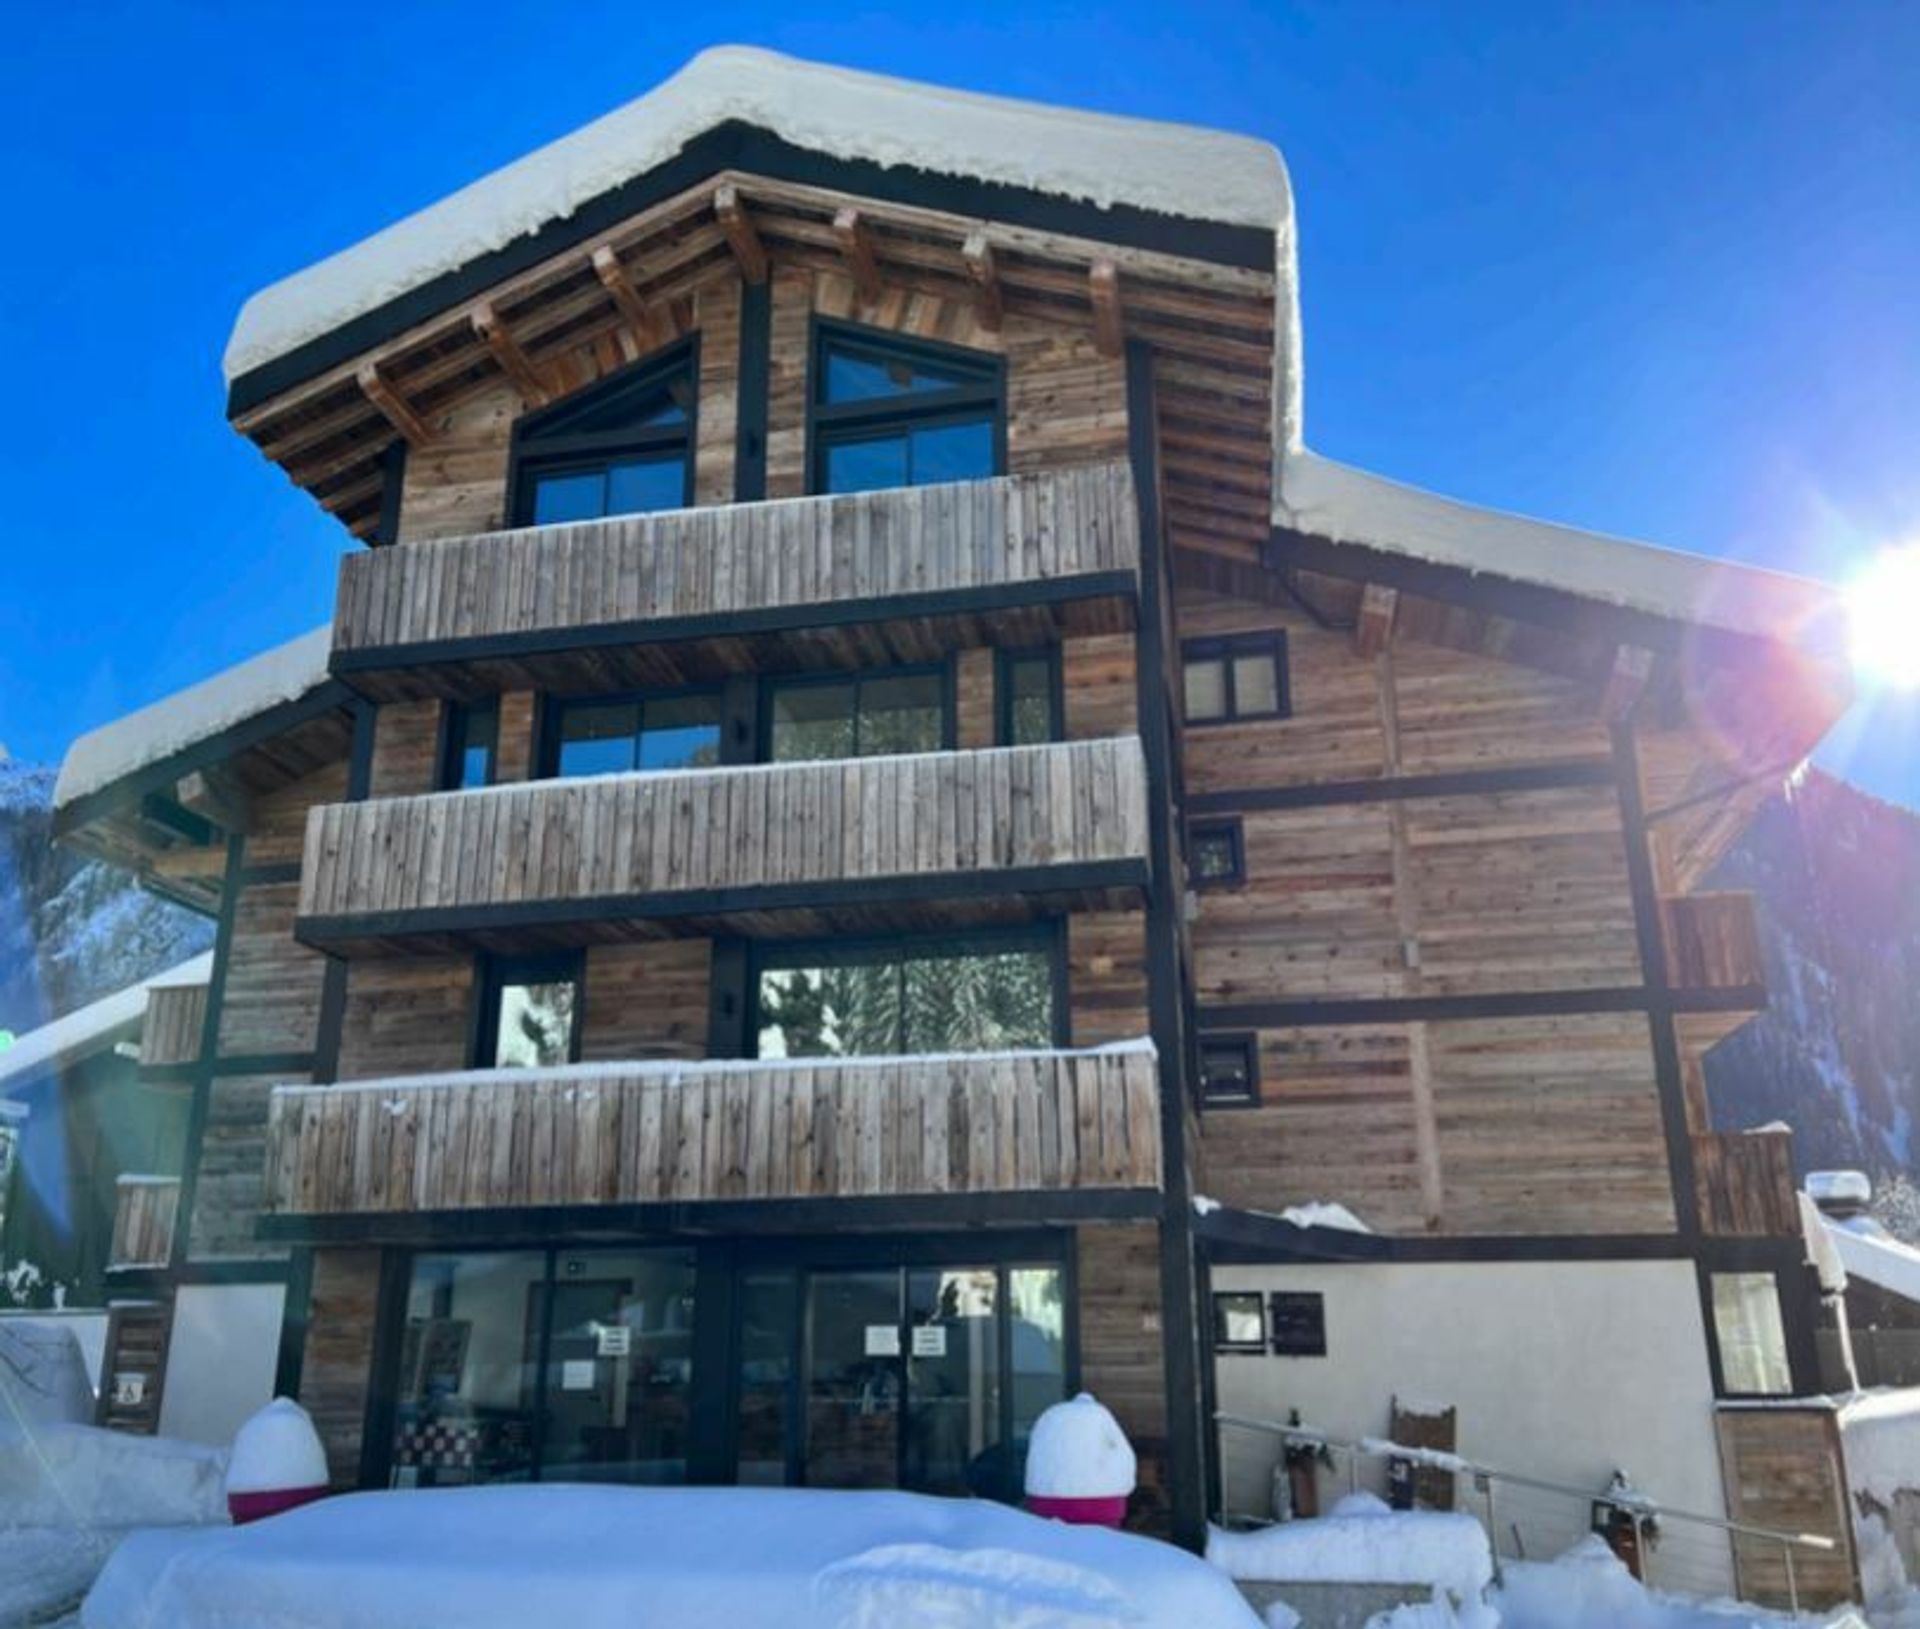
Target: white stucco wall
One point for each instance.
(1565, 1371)
(220, 1364)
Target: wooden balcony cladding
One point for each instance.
(983, 835)
(170, 1033)
(1713, 943)
(1745, 1184)
(955, 555)
(145, 1209)
(679, 1133)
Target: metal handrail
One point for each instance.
(1638, 1507)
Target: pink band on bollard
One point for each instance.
(1101, 1512)
(253, 1507)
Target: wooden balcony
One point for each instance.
(170, 1030)
(994, 835)
(144, 1212)
(645, 1133)
(1745, 1184)
(1713, 943)
(694, 594)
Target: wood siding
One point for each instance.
(336, 1372)
(653, 837)
(1784, 1472)
(173, 1027)
(647, 1002)
(1713, 942)
(825, 1129)
(409, 1017)
(144, 1211)
(406, 749)
(1746, 1184)
(1048, 527)
(1121, 1355)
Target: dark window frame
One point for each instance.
(1005, 658)
(450, 750)
(553, 708)
(1221, 1343)
(833, 423)
(772, 682)
(1247, 1042)
(530, 454)
(493, 973)
(1047, 938)
(1225, 647)
(1233, 828)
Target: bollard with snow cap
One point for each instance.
(277, 1463)
(1080, 1466)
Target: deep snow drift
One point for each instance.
(655, 1558)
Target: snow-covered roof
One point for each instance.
(91, 1028)
(1869, 1252)
(195, 714)
(1181, 171)
(1348, 505)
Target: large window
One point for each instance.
(1751, 1335)
(530, 1013)
(827, 1000)
(858, 716)
(621, 448)
(889, 411)
(612, 735)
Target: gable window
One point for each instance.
(1216, 854)
(860, 716)
(1229, 1072)
(1239, 1321)
(889, 411)
(623, 447)
(979, 993)
(1751, 1335)
(1030, 697)
(1240, 677)
(472, 745)
(530, 1013)
(613, 735)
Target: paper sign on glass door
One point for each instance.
(883, 1340)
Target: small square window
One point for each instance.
(1243, 676)
(1216, 855)
(1229, 1072)
(1239, 1321)
(532, 1014)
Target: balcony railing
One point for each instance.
(605, 1134)
(1745, 1184)
(145, 1209)
(1056, 536)
(1713, 943)
(574, 856)
(170, 1030)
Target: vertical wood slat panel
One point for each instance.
(1039, 1121)
(1062, 803)
(145, 1212)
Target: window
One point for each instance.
(903, 710)
(1216, 853)
(612, 735)
(620, 448)
(1239, 1321)
(1752, 1339)
(1229, 1072)
(1237, 678)
(896, 412)
(530, 1015)
(472, 741)
(907, 996)
(1030, 697)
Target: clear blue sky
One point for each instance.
(1649, 268)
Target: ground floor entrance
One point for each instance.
(875, 1362)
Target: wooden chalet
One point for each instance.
(864, 769)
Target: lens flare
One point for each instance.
(1883, 619)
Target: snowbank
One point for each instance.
(190, 716)
(1362, 1542)
(77, 1476)
(43, 1375)
(1078, 1451)
(682, 1558)
(1170, 169)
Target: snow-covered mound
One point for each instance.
(662, 1558)
(277, 1450)
(75, 1476)
(43, 1374)
(1078, 1451)
(1363, 1542)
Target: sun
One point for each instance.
(1883, 618)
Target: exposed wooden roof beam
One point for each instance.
(215, 797)
(1632, 667)
(742, 239)
(633, 311)
(989, 305)
(191, 865)
(1373, 626)
(514, 362)
(856, 248)
(1103, 288)
(392, 405)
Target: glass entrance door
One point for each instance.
(854, 1377)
